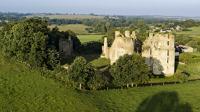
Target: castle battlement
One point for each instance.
(126, 34)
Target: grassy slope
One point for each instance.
(23, 90)
(88, 38)
(77, 28)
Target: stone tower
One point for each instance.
(123, 44)
(65, 47)
(159, 51)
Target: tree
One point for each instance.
(142, 30)
(26, 41)
(80, 71)
(130, 69)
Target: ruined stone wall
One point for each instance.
(158, 49)
(159, 52)
(65, 47)
(123, 44)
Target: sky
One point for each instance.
(110, 7)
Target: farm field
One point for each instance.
(88, 38)
(194, 32)
(77, 28)
(23, 90)
(65, 16)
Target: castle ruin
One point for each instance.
(65, 47)
(123, 44)
(158, 50)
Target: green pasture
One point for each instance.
(77, 28)
(88, 38)
(192, 32)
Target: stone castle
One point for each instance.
(158, 50)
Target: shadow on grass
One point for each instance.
(164, 102)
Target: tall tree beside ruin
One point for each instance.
(80, 71)
(129, 70)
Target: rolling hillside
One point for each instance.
(22, 90)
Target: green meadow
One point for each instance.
(88, 38)
(192, 32)
(77, 28)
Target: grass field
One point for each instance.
(88, 38)
(25, 90)
(77, 28)
(76, 17)
(194, 32)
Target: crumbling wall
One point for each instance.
(123, 44)
(65, 47)
(158, 49)
(159, 52)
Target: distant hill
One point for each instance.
(67, 16)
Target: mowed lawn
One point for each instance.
(194, 32)
(25, 90)
(88, 38)
(77, 28)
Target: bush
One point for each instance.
(182, 39)
(183, 77)
(189, 58)
(185, 57)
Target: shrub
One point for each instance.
(183, 76)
